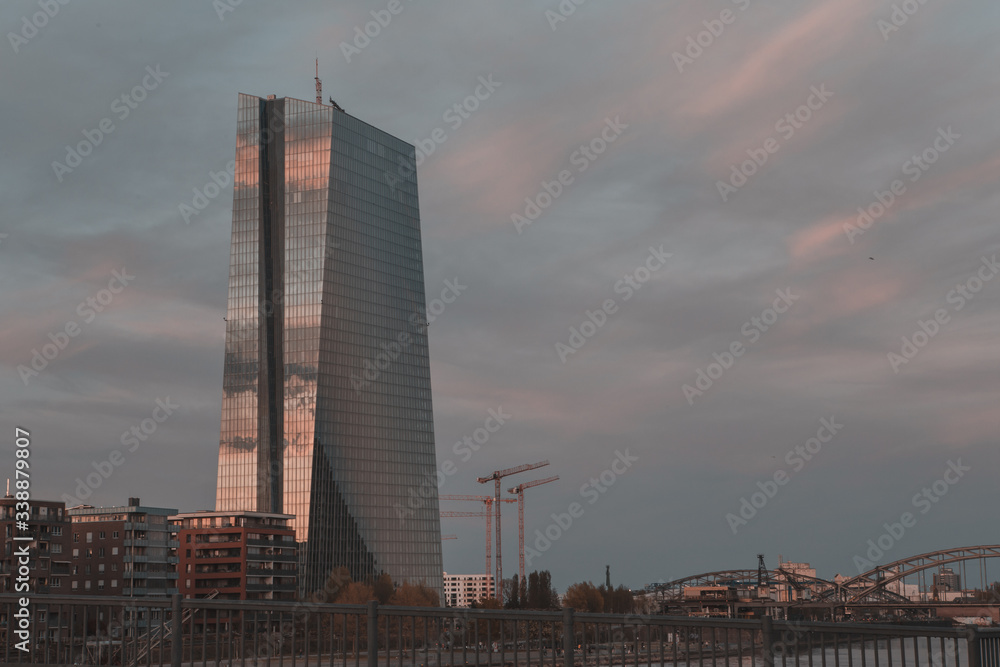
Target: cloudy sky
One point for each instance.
(740, 137)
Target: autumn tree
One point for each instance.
(383, 588)
(584, 596)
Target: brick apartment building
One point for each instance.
(48, 567)
(128, 550)
(242, 555)
(48, 551)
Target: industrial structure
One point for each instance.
(495, 477)
(892, 591)
(519, 492)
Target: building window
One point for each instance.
(114, 583)
(86, 585)
(57, 531)
(90, 553)
(114, 551)
(56, 582)
(90, 537)
(114, 567)
(100, 584)
(114, 535)
(57, 548)
(73, 585)
(76, 537)
(76, 553)
(76, 568)
(100, 567)
(100, 552)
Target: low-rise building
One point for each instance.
(241, 555)
(462, 590)
(128, 550)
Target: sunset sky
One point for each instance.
(681, 170)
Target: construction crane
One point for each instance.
(496, 476)
(519, 492)
(488, 501)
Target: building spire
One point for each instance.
(319, 85)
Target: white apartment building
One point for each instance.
(461, 590)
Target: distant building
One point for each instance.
(461, 590)
(49, 527)
(48, 552)
(128, 550)
(242, 555)
(947, 580)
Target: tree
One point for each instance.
(617, 600)
(383, 588)
(584, 596)
(511, 593)
(414, 595)
(549, 596)
(355, 593)
(539, 593)
(338, 580)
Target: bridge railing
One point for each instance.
(78, 630)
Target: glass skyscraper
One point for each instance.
(326, 410)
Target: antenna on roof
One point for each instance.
(319, 85)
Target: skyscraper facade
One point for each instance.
(326, 410)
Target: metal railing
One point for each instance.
(173, 631)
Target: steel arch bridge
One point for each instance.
(864, 585)
(868, 586)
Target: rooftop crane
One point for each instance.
(519, 492)
(496, 476)
(488, 501)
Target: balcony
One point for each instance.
(129, 558)
(268, 558)
(129, 525)
(265, 588)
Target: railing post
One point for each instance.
(975, 659)
(176, 631)
(767, 640)
(373, 633)
(568, 637)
